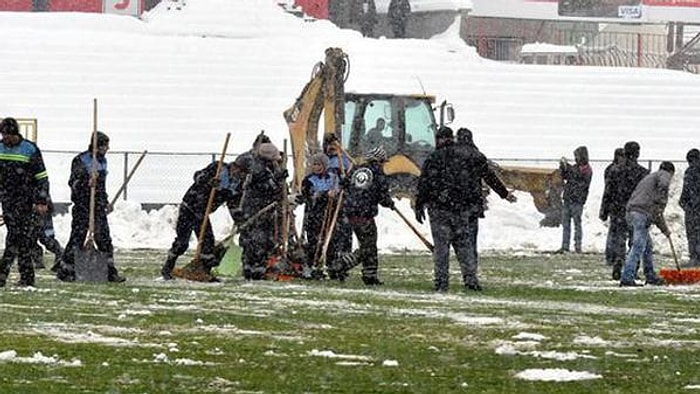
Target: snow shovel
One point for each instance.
(415, 231)
(91, 264)
(230, 264)
(195, 270)
(679, 276)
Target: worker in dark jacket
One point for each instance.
(450, 188)
(367, 188)
(367, 17)
(577, 181)
(264, 187)
(690, 202)
(24, 189)
(615, 242)
(622, 180)
(193, 207)
(80, 182)
(399, 11)
(340, 164)
(646, 207)
(319, 191)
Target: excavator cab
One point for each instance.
(403, 124)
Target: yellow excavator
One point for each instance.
(404, 125)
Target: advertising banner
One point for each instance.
(123, 7)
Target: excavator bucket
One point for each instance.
(544, 184)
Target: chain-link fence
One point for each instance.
(163, 177)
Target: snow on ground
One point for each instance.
(178, 80)
(556, 375)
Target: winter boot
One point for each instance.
(371, 281)
(113, 274)
(167, 270)
(617, 270)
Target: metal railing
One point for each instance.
(163, 177)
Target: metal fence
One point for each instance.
(163, 177)
(615, 49)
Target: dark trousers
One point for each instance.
(616, 242)
(46, 235)
(20, 224)
(365, 229)
(459, 230)
(78, 233)
(692, 231)
(188, 222)
(257, 243)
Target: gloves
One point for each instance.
(603, 215)
(511, 198)
(420, 214)
(282, 174)
(214, 183)
(236, 215)
(296, 199)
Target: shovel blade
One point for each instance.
(90, 265)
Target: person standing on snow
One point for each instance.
(450, 188)
(577, 181)
(622, 180)
(24, 190)
(399, 11)
(615, 249)
(367, 17)
(81, 180)
(646, 207)
(192, 209)
(367, 187)
(690, 202)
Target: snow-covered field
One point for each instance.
(178, 80)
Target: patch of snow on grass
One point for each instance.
(37, 358)
(529, 335)
(556, 375)
(586, 340)
(332, 354)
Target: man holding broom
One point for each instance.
(646, 207)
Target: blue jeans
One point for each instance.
(641, 248)
(570, 210)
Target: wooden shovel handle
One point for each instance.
(210, 202)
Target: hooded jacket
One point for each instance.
(577, 177)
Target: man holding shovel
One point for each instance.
(192, 210)
(22, 176)
(87, 173)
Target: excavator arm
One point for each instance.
(323, 93)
